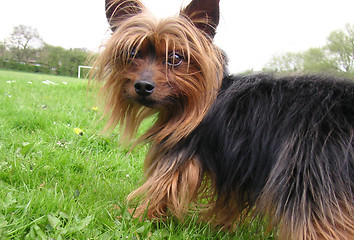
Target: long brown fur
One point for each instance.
(177, 180)
(204, 63)
(183, 97)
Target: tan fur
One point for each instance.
(194, 89)
(169, 187)
(185, 95)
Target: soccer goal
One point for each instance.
(79, 70)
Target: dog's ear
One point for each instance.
(204, 14)
(118, 10)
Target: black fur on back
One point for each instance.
(288, 139)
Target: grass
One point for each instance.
(61, 179)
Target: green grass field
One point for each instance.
(57, 182)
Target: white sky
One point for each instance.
(250, 31)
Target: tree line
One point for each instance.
(336, 57)
(25, 50)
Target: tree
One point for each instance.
(3, 50)
(63, 61)
(287, 62)
(313, 60)
(337, 56)
(341, 44)
(52, 56)
(26, 46)
(24, 41)
(316, 60)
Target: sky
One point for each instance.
(250, 32)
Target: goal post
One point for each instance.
(79, 70)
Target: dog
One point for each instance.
(276, 147)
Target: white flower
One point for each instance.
(49, 82)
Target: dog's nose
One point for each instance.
(144, 87)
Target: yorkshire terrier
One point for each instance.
(280, 148)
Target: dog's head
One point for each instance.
(169, 66)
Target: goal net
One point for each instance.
(79, 70)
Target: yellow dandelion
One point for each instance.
(79, 131)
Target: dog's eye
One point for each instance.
(174, 59)
(134, 53)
